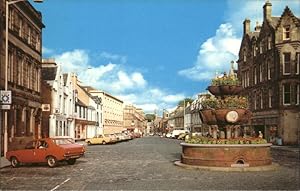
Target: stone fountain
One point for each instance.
(228, 145)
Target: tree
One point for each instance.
(187, 100)
(150, 117)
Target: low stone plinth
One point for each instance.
(226, 155)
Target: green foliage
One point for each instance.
(225, 80)
(186, 100)
(207, 140)
(150, 117)
(230, 102)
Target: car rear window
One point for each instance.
(62, 141)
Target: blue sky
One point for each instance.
(148, 53)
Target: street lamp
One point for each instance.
(7, 3)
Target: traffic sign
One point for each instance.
(5, 97)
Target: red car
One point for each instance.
(49, 150)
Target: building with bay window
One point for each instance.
(268, 67)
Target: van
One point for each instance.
(177, 132)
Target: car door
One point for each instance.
(28, 153)
(40, 151)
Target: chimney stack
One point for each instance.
(246, 26)
(267, 10)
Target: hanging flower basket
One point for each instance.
(230, 89)
(215, 90)
(244, 115)
(221, 115)
(208, 116)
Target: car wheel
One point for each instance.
(103, 143)
(51, 161)
(71, 161)
(89, 143)
(14, 162)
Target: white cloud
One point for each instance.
(47, 51)
(131, 87)
(173, 98)
(215, 54)
(113, 57)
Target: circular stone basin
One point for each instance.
(226, 155)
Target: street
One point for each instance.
(146, 164)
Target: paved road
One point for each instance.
(146, 164)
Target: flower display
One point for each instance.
(225, 80)
(207, 140)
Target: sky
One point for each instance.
(149, 53)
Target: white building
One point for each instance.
(59, 95)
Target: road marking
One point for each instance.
(60, 184)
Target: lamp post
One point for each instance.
(7, 3)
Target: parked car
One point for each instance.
(99, 139)
(175, 133)
(49, 150)
(113, 137)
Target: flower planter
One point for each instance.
(221, 115)
(208, 116)
(215, 90)
(244, 115)
(230, 89)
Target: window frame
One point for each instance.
(284, 94)
(284, 63)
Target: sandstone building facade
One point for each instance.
(24, 70)
(268, 67)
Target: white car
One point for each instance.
(177, 132)
(168, 135)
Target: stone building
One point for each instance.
(58, 101)
(23, 71)
(112, 109)
(268, 67)
(134, 119)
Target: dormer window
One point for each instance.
(286, 33)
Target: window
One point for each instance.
(270, 95)
(261, 100)
(255, 76)
(286, 33)
(269, 42)
(260, 47)
(297, 96)
(255, 102)
(254, 50)
(269, 70)
(260, 73)
(286, 94)
(297, 63)
(286, 63)
(245, 55)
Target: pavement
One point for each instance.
(4, 162)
